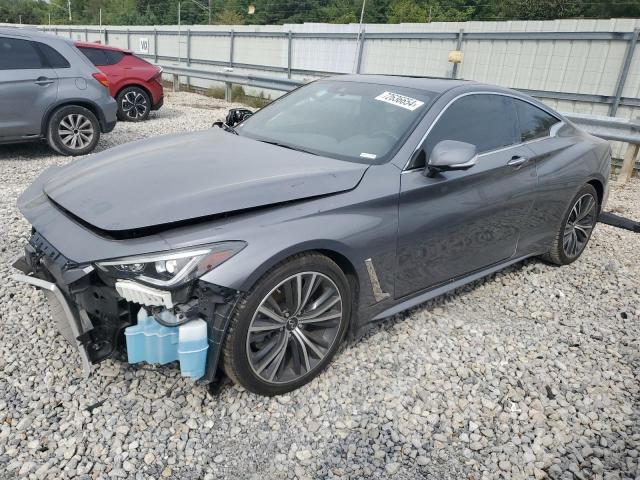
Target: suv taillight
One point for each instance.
(102, 78)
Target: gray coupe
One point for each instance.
(255, 248)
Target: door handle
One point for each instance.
(43, 81)
(517, 161)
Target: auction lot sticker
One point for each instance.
(400, 100)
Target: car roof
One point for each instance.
(101, 46)
(31, 33)
(431, 84)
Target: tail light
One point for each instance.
(102, 78)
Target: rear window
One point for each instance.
(17, 54)
(113, 56)
(101, 57)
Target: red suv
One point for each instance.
(134, 83)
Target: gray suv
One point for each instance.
(49, 90)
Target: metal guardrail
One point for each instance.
(615, 129)
(608, 128)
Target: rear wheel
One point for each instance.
(576, 227)
(289, 326)
(134, 104)
(73, 130)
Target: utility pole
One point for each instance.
(209, 12)
(69, 6)
(358, 38)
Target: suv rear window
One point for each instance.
(17, 54)
(101, 57)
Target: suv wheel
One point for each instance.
(576, 227)
(73, 130)
(134, 104)
(289, 326)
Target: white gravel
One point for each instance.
(532, 373)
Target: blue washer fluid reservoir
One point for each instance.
(151, 342)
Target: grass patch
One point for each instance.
(238, 95)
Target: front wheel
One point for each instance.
(73, 130)
(289, 326)
(575, 230)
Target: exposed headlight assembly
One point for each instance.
(169, 269)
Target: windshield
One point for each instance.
(365, 122)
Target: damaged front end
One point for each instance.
(151, 308)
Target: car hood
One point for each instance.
(185, 177)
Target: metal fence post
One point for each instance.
(631, 156)
(128, 40)
(231, 42)
(86, 34)
(176, 83)
(454, 71)
(360, 50)
(70, 34)
(227, 91)
(106, 36)
(155, 45)
(188, 48)
(622, 79)
(289, 50)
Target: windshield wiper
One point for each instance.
(225, 127)
(290, 147)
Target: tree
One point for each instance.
(229, 16)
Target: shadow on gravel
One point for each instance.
(388, 324)
(27, 151)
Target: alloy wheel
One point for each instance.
(294, 327)
(579, 225)
(76, 131)
(134, 104)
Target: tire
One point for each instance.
(281, 354)
(73, 130)
(572, 237)
(134, 104)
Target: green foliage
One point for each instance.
(235, 12)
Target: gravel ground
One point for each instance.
(531, 373)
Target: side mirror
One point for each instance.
(237, 115)
(450, 155)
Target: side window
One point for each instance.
(53, 58)
(533, 121)
(17, 54)
(96, 55)
(484, 120)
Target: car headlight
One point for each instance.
(168, 269)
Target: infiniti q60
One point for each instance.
(256, 249)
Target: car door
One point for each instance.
(28, 86)
(459, 222)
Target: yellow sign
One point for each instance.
(455, 56)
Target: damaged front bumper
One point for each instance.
(93, 312)
(65, 314)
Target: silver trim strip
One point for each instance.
(74, 321)
(378, 294)
(552, 132)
